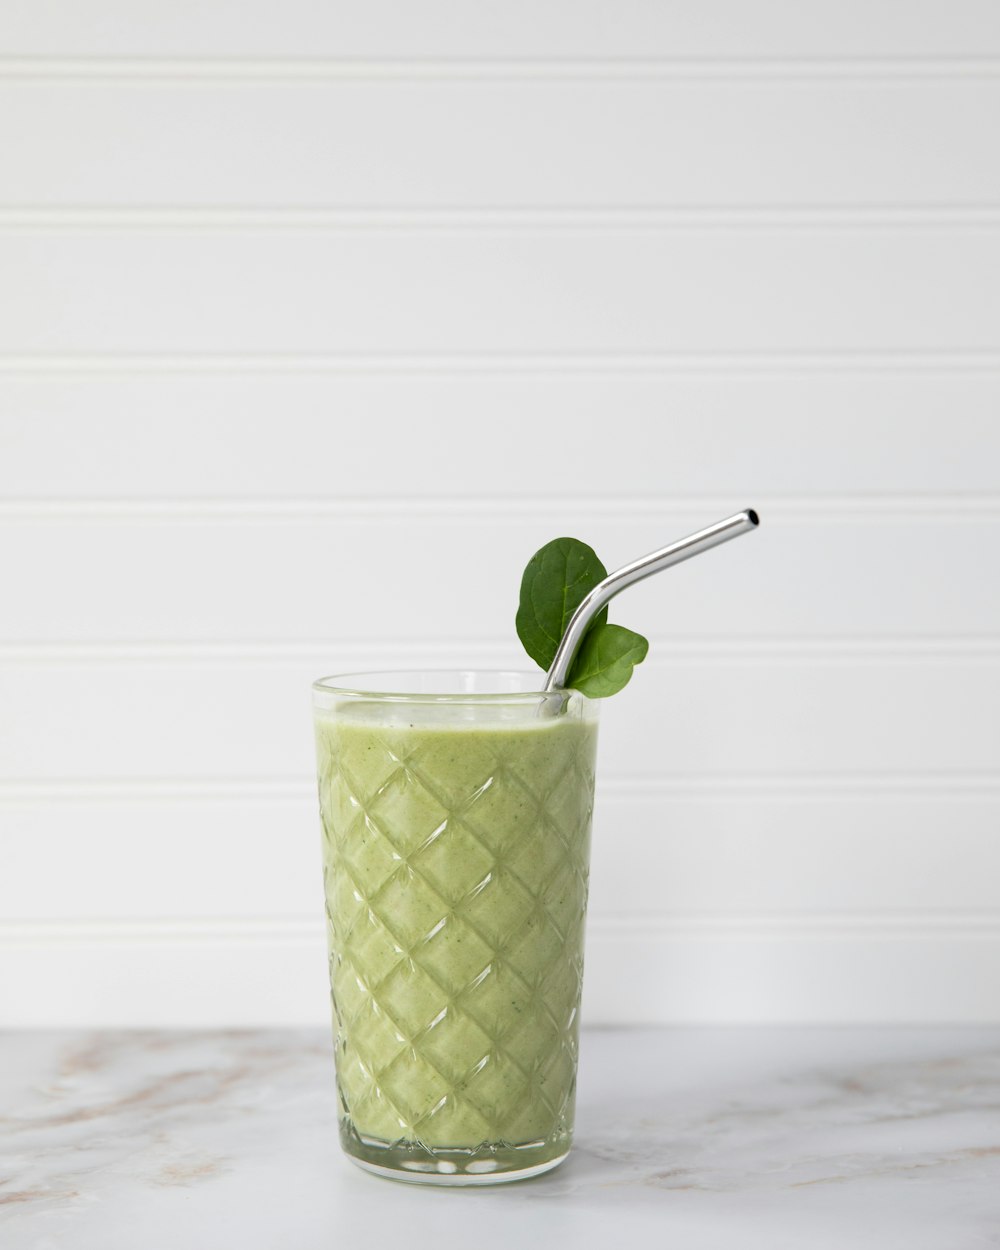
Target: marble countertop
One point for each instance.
(690, 1137)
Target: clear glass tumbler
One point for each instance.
(456, 811)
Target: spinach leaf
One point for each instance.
(556, 579)
(604, 663)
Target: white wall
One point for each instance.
(317, 319)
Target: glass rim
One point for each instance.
(381, 684)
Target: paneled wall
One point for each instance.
(316, 320)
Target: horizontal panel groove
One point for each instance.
(819, 217)
(297, 930)
(492, 651)
(519, 294)
(715, 787)
(182, 70)
(707, 362)
(498, 509)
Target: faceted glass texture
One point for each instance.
(456, 832)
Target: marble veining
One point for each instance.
(696, 1137)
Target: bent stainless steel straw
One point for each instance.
(629, 574)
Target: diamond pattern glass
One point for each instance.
(455, 859)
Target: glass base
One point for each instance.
(456, 1178)
(488, 1164)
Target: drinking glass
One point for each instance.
(456, 812)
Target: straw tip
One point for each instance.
(752, 516)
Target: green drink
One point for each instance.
(456, 829)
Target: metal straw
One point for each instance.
(645, 566)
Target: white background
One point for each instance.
(316, 320)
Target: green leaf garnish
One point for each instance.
(559, 575)
(604, 663)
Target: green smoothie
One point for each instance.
(455, 859)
